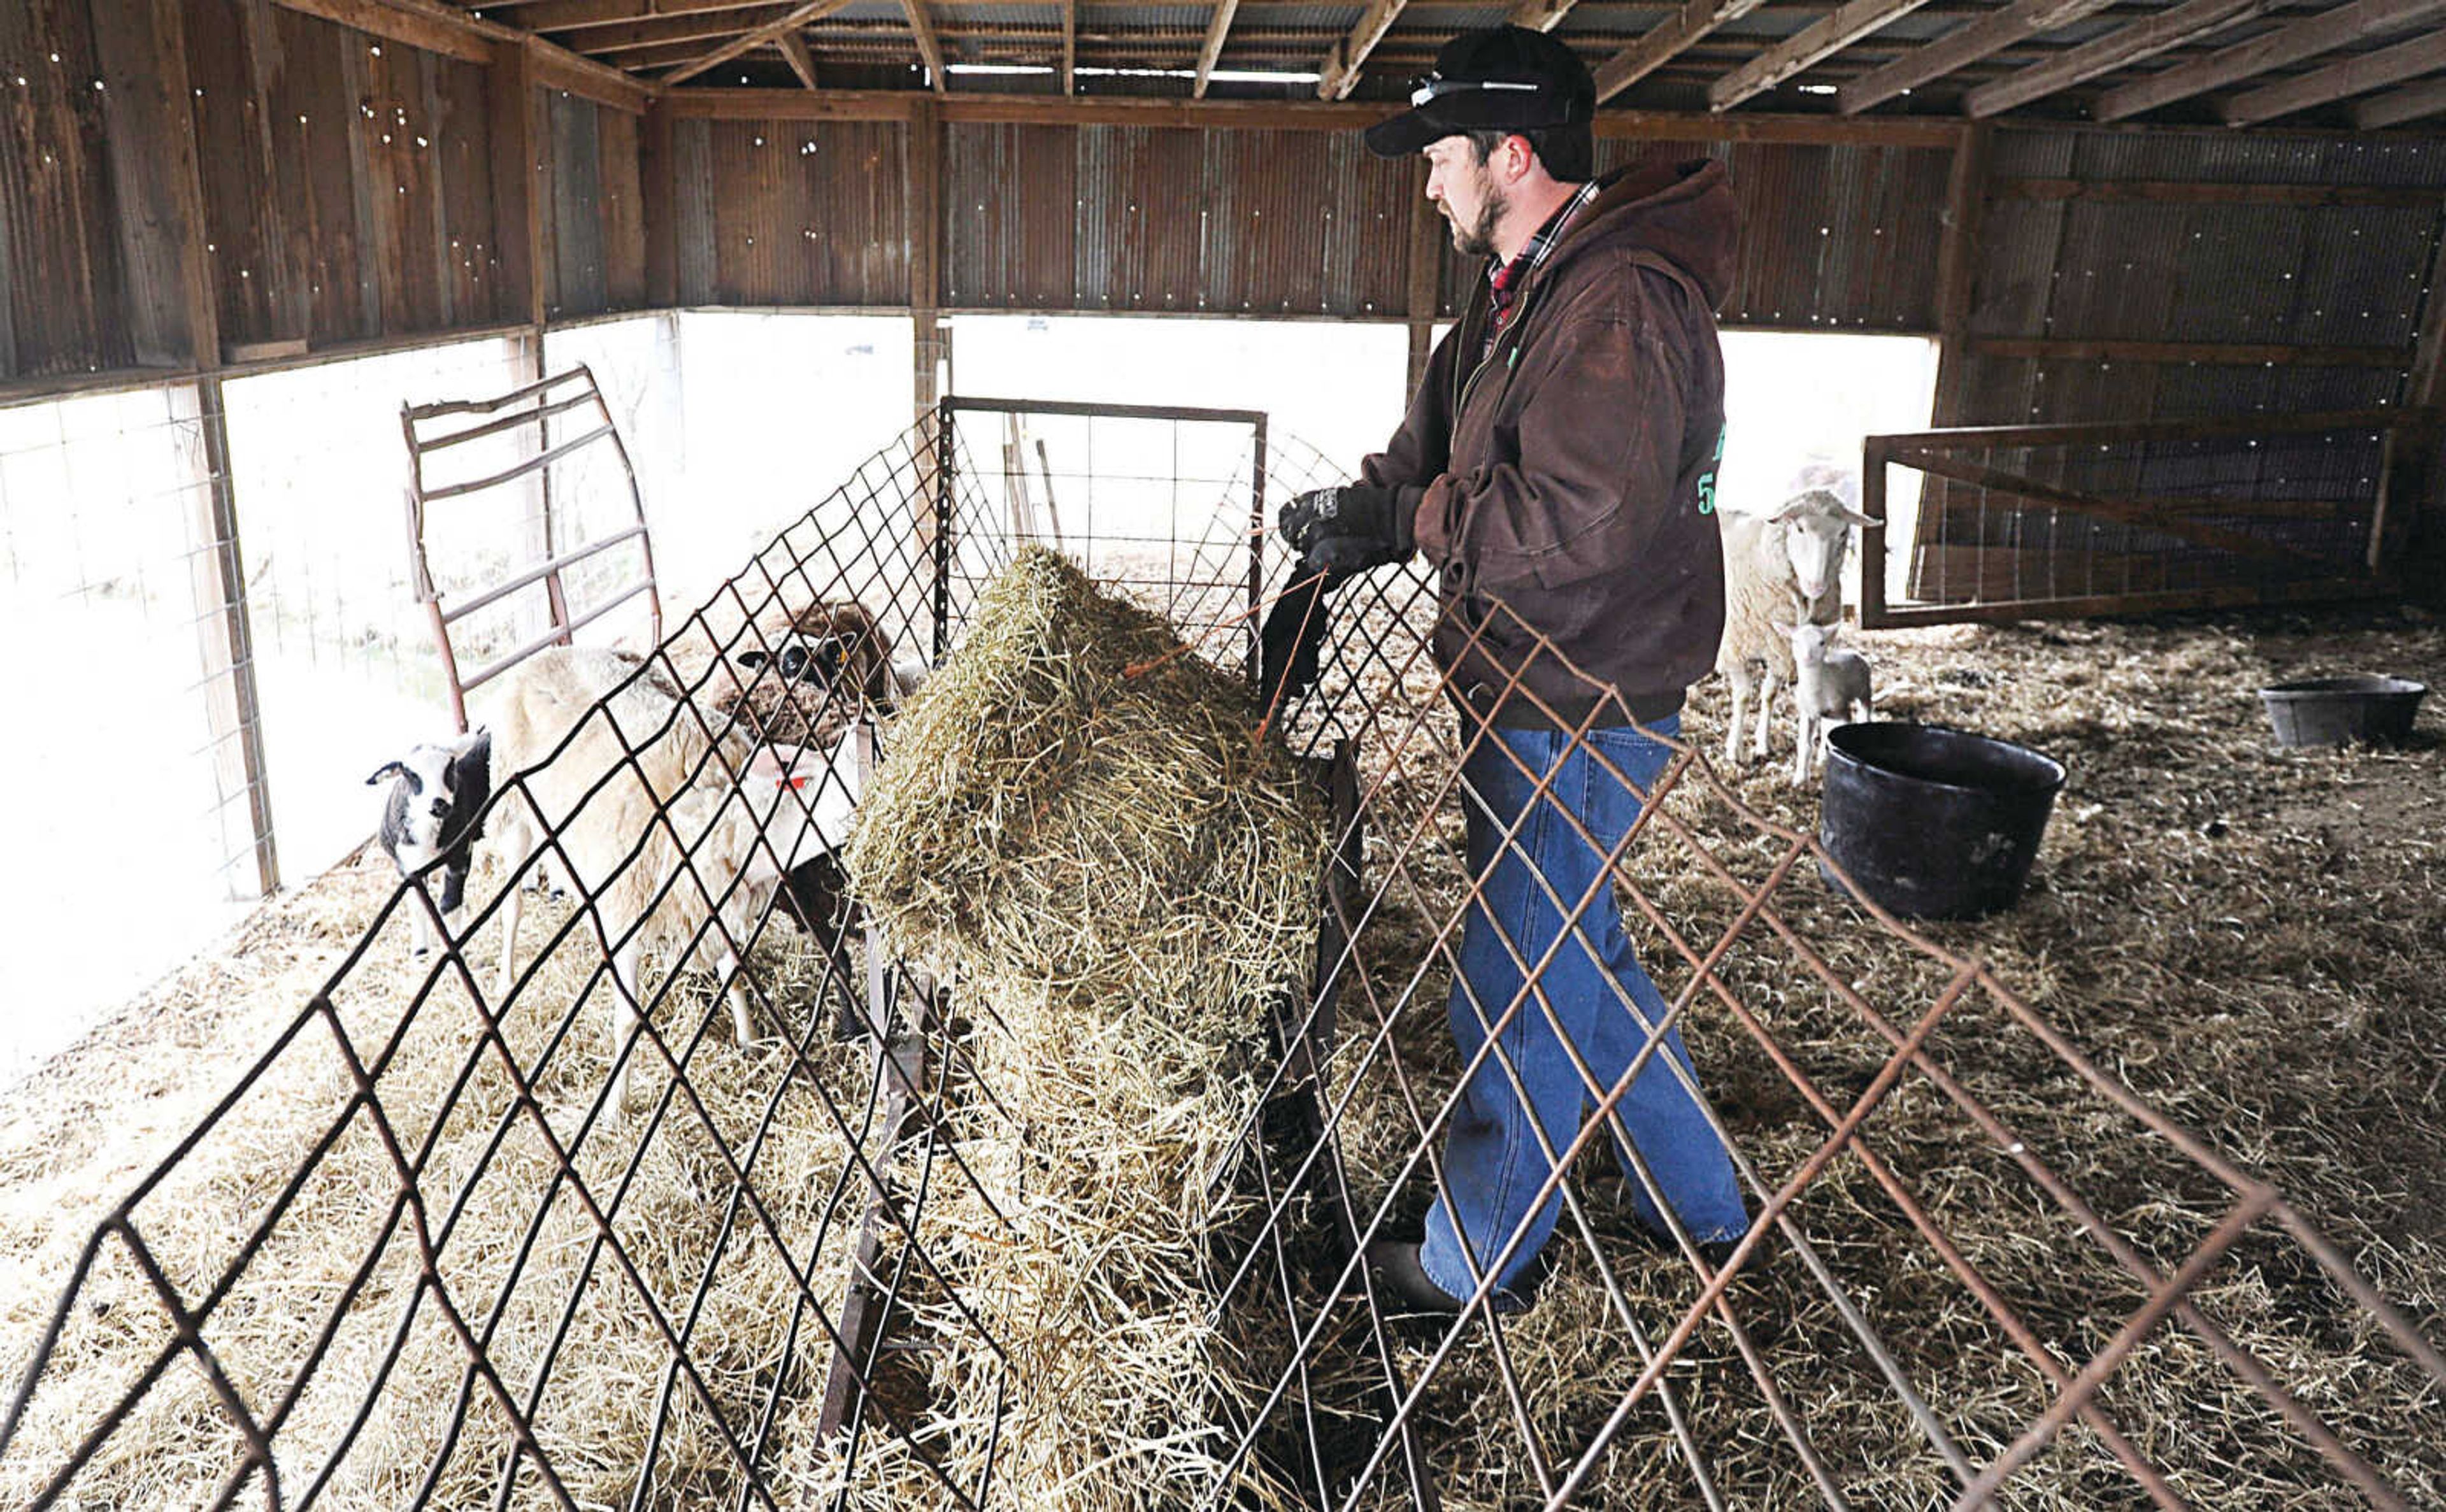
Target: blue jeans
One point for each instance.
(1493, 1164)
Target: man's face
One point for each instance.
(1465, 189)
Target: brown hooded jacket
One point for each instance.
(1571, 475)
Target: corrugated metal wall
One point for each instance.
(59, 258)
(2081, 268)
(348, 191)
(791, 212)
(594, 213)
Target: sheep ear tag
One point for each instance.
(776, 763)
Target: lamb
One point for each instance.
(676, 847)
(1788, 563)
(809, 674)
(1833, 686)
(434, 812)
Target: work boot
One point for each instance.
(1406, 1285)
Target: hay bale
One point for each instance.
(1076, 818)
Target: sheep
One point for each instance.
(695, 811)
(1832, 686)
(1789, 561)
(810, 674)
(435, 813)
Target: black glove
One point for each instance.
(1293, 636)
(1352, 511)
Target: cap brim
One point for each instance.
(1405, 134)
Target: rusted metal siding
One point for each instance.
(60, 269)
(792, 212)
(347, 187)
(2245, 275)
(595, 229)
(1171, 220)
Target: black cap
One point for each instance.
(1508, 79)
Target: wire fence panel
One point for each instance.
(661, 1184)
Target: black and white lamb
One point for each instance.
(434, 812)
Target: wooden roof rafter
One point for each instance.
(749, 40)
(2306, 38)
(705, 25)
(2356, 75)
(2126, 44)
(929, 44)
(454, 33)
(793, 52)
(1965, 44)
(573, 15)
(1812, 45)
(1218, 28)
(1695, 19)
(1338, 72)
(1540, 15)
(2417, 103)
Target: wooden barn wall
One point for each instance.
(60, 266)
(776, 213)
(2296, 307)
(594, 223)
(1171, 220)
(346, 179)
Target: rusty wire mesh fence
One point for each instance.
(1837, 1217)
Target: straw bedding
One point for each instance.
(127, 1092)
(1076, 820)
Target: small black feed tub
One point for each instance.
(2337, 711)
(1932, 823)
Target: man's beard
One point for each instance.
(1478, 239)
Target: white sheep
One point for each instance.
(1832, 686)
(674, 831)
(1788, 563)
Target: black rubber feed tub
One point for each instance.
(2337, 711)
(1933, 823)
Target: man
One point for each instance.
(1559, 458)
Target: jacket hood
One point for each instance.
(1680, 209)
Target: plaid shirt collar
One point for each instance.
(1503, 279)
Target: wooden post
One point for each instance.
(2408, 471)
(658, 186)
(1426, 278)
(1957, 268)
(517, 175)
(176, 320)
(924, 201)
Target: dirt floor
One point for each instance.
(2253, 939)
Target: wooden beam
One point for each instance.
(797, 16)
(2306, 38)
(1069, 46)
(2126, 44)
(2255, 354)
(658, 185)
(929, 44)
(1963, 45)
(570, 15)
(518, 185)
(460, 37)
(1218, 28)
(2418, 102)
(1694, 20)
(454, 33)
(1540, 15)
(703, 26)
(1957, 270)
(1279, 115)
(2189, 192)
(1338, 71)
(1812, 44)
(2351, 76)
(556, 67)
(794, 51)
